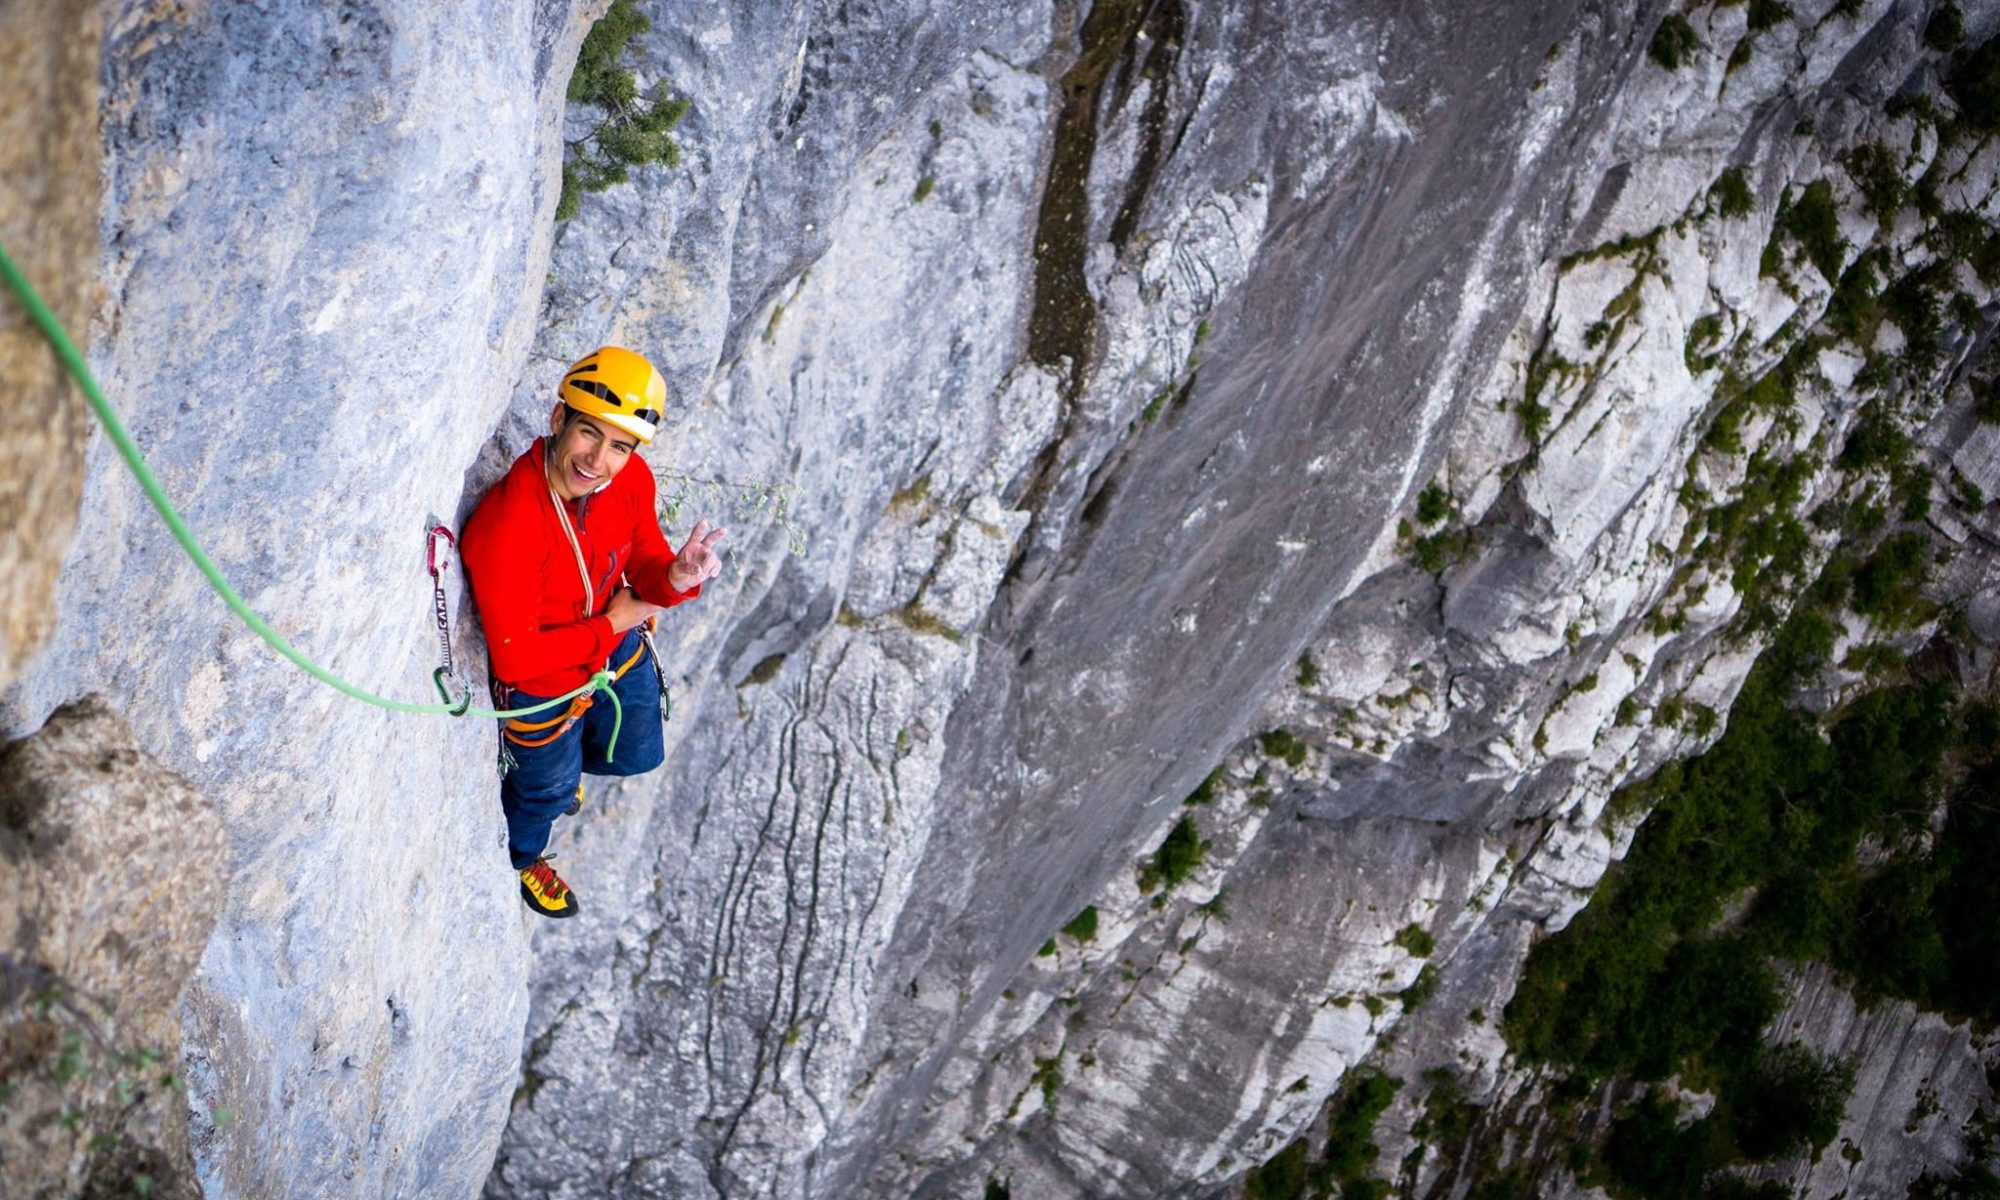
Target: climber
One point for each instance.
(568, 567)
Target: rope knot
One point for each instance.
(602, 681)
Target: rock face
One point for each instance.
(49, 151)
(1256, 319)
(1069, 379)
(326, 234)
(113, 887)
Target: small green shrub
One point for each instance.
(1281, 745)
(1308, 673)
(1648, 1153)
(1852, 310)
(1417, 940)
(1813, 220)
(1767, 14)
(1216, 906)
(1673, 42)
(1974, 85)
(1629, 244)
(1910, 488)
(925, 187)
(1534, 419)
(1878, 172)
(1434, 552)
(1724, 433)
(1962, 236)
(1433, 504)
(1946, 28)
(1048, 1077)
(1048, 949)
(1204, 792)
(1421, 989)
(1888, 586)
(1875, 658)
(1792, 1101)
(1986, 400)
(1701, 336)
(1915, 303)
(1350, 1144)
(1972, 1181)
(1176, 859)
(1083, 926)
(1283, 1176)
(1875, 441)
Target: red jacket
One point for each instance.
(524, 580)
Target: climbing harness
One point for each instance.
(536, 733)
(73, 361)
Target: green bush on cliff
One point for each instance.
(1638, 984)
(635, 131)
(1790, 1101)
(1732, 194)
(1974, 85)
(1176, 859)
(1888, 586)
(1767, 14)
(1651, 981)
(1346, 1168)
(1673, 42)
(1946, 28)
(1813, 221)
(1083, 926)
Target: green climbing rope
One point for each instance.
(79, 370)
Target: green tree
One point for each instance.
(636, 130)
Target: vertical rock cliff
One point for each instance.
(1209, 296)
(1221, 497)
(325, 229)
(49, 155)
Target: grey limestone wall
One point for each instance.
(1064, 373)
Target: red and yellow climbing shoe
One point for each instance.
(545, 891)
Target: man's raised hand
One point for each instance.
(698, 560)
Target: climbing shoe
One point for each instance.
(545, 891)
(576, 805)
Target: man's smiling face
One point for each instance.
(585, 452)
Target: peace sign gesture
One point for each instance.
(698, 560)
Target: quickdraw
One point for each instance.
(441, 610)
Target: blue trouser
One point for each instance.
(542, 782)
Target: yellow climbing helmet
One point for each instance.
(617, 387)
